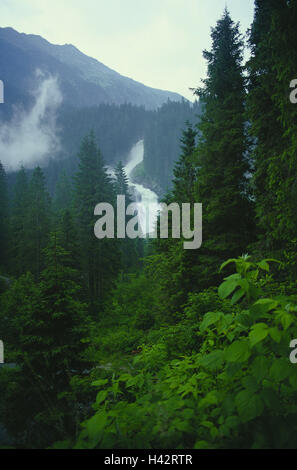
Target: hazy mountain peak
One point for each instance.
(84, 80)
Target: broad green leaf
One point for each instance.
(99, 383)
(95, 425)
(210, 399)
(227, 263)
(227, 288)
(260, 367)
(239, 351)
(250, 383)
(264, 265)
(213, 360)
(101, 396)
(280, 370)
(258, 333)
(249, 406)
(244, 284)
(270, 398)
(237, 296)
(210, 319)
(227, 320)
(286, 319)
(263, 306)
(275, 334)
(201, 445)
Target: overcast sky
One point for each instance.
(156, 42)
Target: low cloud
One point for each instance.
(31, 137)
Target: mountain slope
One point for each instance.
(84, 81)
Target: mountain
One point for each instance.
(84, 81)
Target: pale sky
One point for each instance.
(156, 42)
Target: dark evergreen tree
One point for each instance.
(21, 261)
(131, 250)
(222, 185)
(185, 171)
(175, 266)
(63, 194)
(271, 69)
(100, 258)
(122, 182)
(68, 238)
(37, 221)
(45, 324)
(162, 141)
(4, 220)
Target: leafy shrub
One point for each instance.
(238, 390)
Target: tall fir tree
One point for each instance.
(100, 258)
(20, 206)
(272, 67)
(45, 324)
(38, 221)
(122, 182)
(185, 171)
(222, 183)
(68, 238)
(4, 220)
(63, 199)
(131, 250)
(176, 267)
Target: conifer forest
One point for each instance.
(118, 342)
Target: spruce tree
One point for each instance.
(63, 194)
(264, 115)
(21, 261)
(222, 185)
(68, 238)
(122, 182)
(37, 221)
(4, 220)
(185, 170)
(45, 324)
(130, 249)
(271, 69)
(100, 258)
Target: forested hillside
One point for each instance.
(162, 141)
(124, 344)
(117, 129)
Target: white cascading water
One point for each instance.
(147, 200)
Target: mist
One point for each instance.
(31, 136)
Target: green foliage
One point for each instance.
(43, 325)
(166, 360)
(235, 390)
(242, 284)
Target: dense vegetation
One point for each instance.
(118, 128)
(161, 140)
(143, 344)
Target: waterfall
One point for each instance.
(147, 200)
